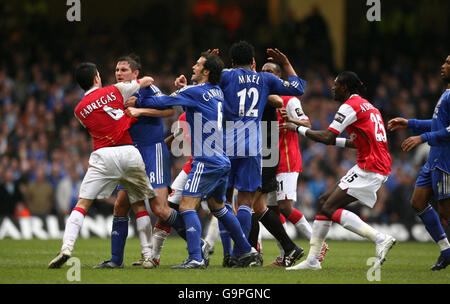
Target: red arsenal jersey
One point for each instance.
(101, 112)
(182, 124)
(290, 156)
(364, 124)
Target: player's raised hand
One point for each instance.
(180, 82)
(146, 81)
(213, 52)
(277, 56)
(411, 142)
(397, 123)
(289, 126)
(131, 102)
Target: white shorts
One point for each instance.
(177, 188)
(362, 185)
(287, 186)
(110, 166)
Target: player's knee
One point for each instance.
(418, 205)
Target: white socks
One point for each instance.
(144, 228)
(319, 233)
(73, 227)
(212, 232)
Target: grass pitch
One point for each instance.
(25, 262)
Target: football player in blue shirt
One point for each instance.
(246, 93)
(203, 104)
(147, 136)
(434, 177)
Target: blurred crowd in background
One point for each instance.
(44, 151)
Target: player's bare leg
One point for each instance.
(71, 232)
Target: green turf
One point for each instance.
(24, 262)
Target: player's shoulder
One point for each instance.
(446, 96)
(151, 90)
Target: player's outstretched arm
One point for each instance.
(135, 112)
(323, 136)
(275, 101)
(298, 122)
(397, 123)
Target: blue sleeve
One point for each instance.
(183, 98)
(435, 138)
(419, 126)
(148, 92)
(295, 86)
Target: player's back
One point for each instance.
(101, 111)
(245, 93)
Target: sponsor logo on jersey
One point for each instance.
(339, 117)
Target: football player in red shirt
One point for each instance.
(114, 158)
(364, 124)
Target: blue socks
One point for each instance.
(244, 215)
(432, 223)
(224, 234)
(119, 235)
(232, 225)
(193, 234)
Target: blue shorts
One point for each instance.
(437, 179)
(246, 173)
(204, 182)
(157, 165)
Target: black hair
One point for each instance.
(352, 81)
(133, 60)
(214, 65)
(85, 74)
(242, 53)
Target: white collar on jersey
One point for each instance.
(91, 90)
(353, 95)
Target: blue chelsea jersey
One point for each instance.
(147, 130)
(436, 132)
(246, 94)
(439, 137)
(203, 105)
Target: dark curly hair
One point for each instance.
(242, 53)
